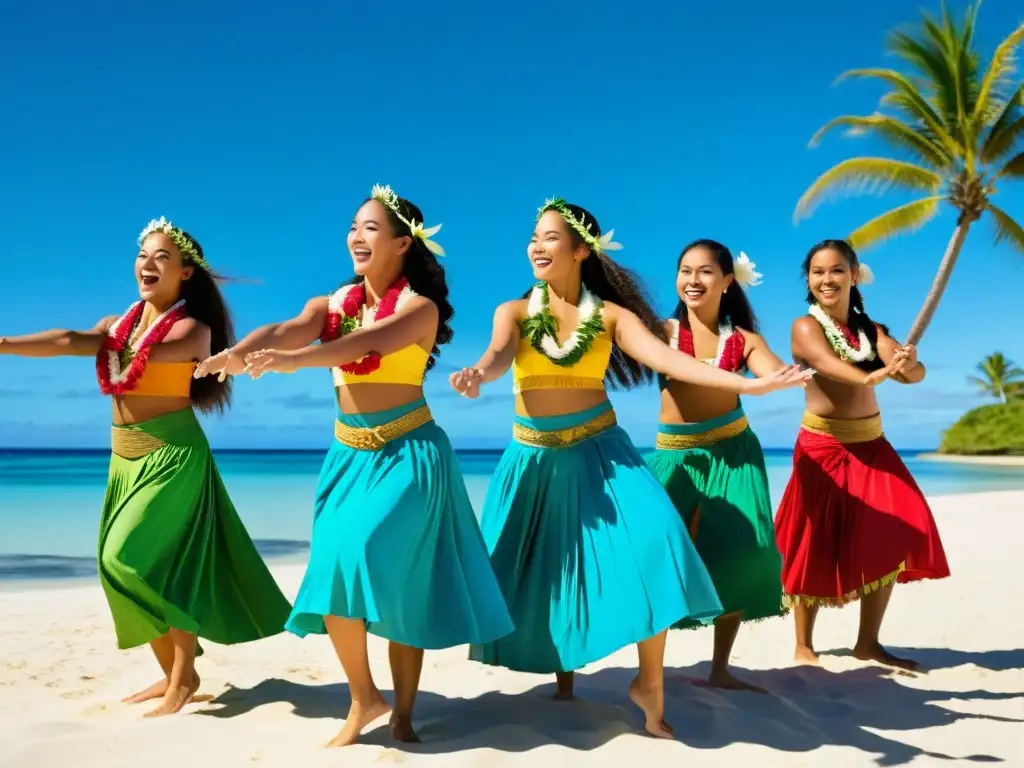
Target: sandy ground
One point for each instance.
(990, 461)
(281, 699)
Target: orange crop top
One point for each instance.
(533, 370)
(406, 366)
(164, 380)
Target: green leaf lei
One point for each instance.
(541, 327)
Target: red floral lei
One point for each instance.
(732, 354)
(113, 379)
(343, 323)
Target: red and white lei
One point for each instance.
(113, 378)
(343, 317)
(852, 349)
(731, 346)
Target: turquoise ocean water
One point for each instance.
(50, 500)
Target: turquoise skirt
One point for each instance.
(589, 551)
(396, 543)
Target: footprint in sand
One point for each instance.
(389, 756)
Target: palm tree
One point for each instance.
(999, 377)
(958, 125)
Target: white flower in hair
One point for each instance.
(385, 195)
(743, 269)
(864, 274)
(605, 244)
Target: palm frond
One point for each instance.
(1006, 228)
(894, 131)
(1007, 128)
(905, 218)
(984, 385)
(867, 175)
(1014, 167)
(936, 69)
(1000, 70)
(907, 95)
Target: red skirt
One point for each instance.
(852, 518)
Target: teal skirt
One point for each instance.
(590, 552)
(396, 543)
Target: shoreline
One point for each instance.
(985, 461)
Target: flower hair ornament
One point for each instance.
(743, 270)
(865, 276)
(601, 244)
(188, 251)
(387, 197)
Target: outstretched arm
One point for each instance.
(761, 361)
(58, 343)
(638, 342)
(384, 337)
(809, 343)
(912, 370)
(188, 340)
(497, 358)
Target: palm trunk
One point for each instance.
(931, 303)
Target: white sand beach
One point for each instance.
(279, 700)
(987, 461)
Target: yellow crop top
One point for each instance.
(164, 380)
(533, 370)
(406, 366)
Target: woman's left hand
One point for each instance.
(270, 361)
(911, 357)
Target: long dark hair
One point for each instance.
(858, 320)
(424, 273)
(612, 282)
(205, 303)
(734, 307)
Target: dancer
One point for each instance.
(175, 560)
(396, 549)
(707, 457)
(852, 521)
(590, 553)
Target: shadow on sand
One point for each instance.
(808, 708)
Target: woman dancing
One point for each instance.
(396, 549)
(590, 553)
(175, 560)
(852, 521)
(707, 457)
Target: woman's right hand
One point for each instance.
(896, 365)
(784, 378)
(467, 381)
(223, 363)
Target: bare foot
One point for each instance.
(723, 678)
(564, 682)
(175, 700)
(877, 653)
(360, 716)
(805, 655)
(159, 689)
(400, 728)
(652, 704)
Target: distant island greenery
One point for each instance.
(996, 429)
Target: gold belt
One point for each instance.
(672, 442)
(844, 430)
(560, 438)
(133, 443)
(375, 438)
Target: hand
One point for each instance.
(784, 378)
(223, 363)
(911, 357)
(895, 366)
(467, 381)
(270, 361)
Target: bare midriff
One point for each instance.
(683, 403)
(835, 400)
(370, 398)
(537, 403)
(134, 409)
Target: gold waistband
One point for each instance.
(375, 438)
(550, 381)
(560, 438)
(844, 430)
(133, 443)
(669, 442)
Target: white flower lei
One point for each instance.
(838, 341)
(336, 301)
(589, 306)
(725, 332)
(117, 375)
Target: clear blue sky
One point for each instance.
(260, 130)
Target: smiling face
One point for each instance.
(160, 270)
(830, 278)
(553, 252)
(700, 281)
(372, 242)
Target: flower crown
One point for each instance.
(189, 253)
(744, 272)
(386, 196)
(600, 244)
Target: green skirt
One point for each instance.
(714, 473)
(173, 552)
